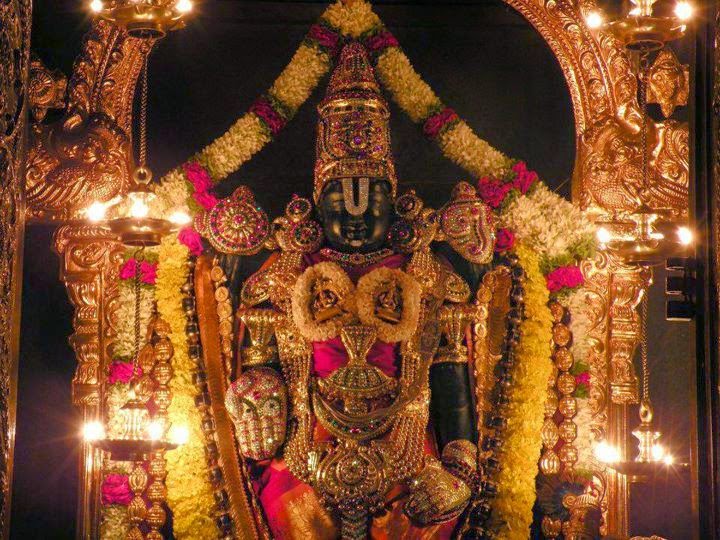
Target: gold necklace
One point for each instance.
(355, 259)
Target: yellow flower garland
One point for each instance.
(190, 494)
(512, 508)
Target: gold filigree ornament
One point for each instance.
(296, 231)
(257, 403)
(668, 82)
(389, 300)
(235, 225)
(466, 224)
(323, 301)
(416, 226)
(436, 496)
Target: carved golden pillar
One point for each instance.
(90, 262)
(15, 20)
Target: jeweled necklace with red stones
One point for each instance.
(355, 259)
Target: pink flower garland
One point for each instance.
(122, 372)
(201, 182)
(147, 271)
(192, 240)
(381, 41)
(564, 277)
(116, 490)
(324, 37)
(270, 117)
(494, 191)
(504, 240)
(436, 123)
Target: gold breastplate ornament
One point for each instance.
(377, 422)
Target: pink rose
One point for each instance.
(197, 176)
(129, 269)
(583, 378)
(265, 111)
(192, 240)
(493, 191)
(205, 199)
(381, 41)
(122, 372)
(504, 240)
(564, 277)
(324, 36)
(116, 490)
(524, 179)
(435, 123)
(148, 273)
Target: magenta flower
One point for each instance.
(192, 240)
(564, 277)
(265, 111)
(504, 240)
(381, 41)
(324, 36)
(435, 123)
(205, 199)
(148, 272)
(493, 191)
(122, 372)
(583, 378)
(116, 490)
(524, 178)
(129, 269)
(198, 177)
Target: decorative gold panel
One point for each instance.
(15, 20)
(85, 156)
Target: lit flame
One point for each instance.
(685, 236)
(156, 430)
(179, 435)
(184, 6)
(634, 12)
(603, 235)
(668, 459)
(93, 431)
(684, 10)
(594, 20)
(180, 218)
(139, 209)
(96, 211)
(606, 453)
(96, 6)
(658, 452)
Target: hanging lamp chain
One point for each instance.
(642, 88)
(143, 113)
(136, 290)
(644, 349)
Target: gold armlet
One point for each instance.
(454, 319)
(260, 324)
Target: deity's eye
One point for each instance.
(247, 410)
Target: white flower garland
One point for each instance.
(546, 222)
(302, 298)
(124, 345)
(367, 290)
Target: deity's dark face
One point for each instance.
(347, 230)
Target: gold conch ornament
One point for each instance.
(353, 137)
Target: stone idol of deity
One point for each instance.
(354, 406)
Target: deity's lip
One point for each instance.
(355, 233)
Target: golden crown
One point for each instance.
(353, 138)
